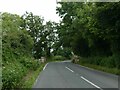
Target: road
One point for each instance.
(69, 75)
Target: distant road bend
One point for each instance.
(68, 75)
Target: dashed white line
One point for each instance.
(45, 66)
(91, 83)
(69, 69)
(80, 76)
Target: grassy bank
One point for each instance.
(15, 70)
(101, 68)
(30, 77)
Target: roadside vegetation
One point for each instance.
(17, 59)
(30, 78)
(25, 39)
(90, 31)
(100, 67)
(18, 47)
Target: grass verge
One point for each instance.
(29, 79)
(101, 68)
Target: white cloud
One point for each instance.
(44, 8)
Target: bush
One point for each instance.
(29, 63)
(58, 58)
(14, 71)
(117, 60)
(12, 74)
(16, 47)
(108, 62)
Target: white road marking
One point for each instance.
(38, 75)
(36, 80)
(69, 69)
(87, 67)
(91, 83)
(45, 66)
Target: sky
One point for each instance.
(43, 8)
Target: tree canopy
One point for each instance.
(90, 29)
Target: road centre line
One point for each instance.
(91, 83)
(86, 80)
(69, 69)
(81, 78)
(45, 66)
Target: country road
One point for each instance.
(69, 75)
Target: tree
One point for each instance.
(15, 40)
(34, 25)
(90, 29)
(43, 34)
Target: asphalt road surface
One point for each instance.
(68, 75)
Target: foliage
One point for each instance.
(42, 34)
(30, 63)
(102, 68)
(58, 58)
(17, 50)
(65, 52)
(91, 30)
(34, 26)
(30, 78)
(12, 74)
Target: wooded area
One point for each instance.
(90, 30)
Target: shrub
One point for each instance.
(117, 60)
(110, 62)
(16, 51)
(12, 74)
(59, 58)
(29, 63)
(14, 71)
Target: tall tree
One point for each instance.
(43, 34)
(34, 25)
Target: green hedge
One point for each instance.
(58, 58)
(110, 61)
(13, 72)
(29, 63)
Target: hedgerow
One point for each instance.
(17, 46)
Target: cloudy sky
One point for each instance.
(44, 8)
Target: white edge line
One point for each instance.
(69, 69)
(95, 70)
(35, 81)
(45, 66)
(38, 75)
(91, 83)
(88, 68)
